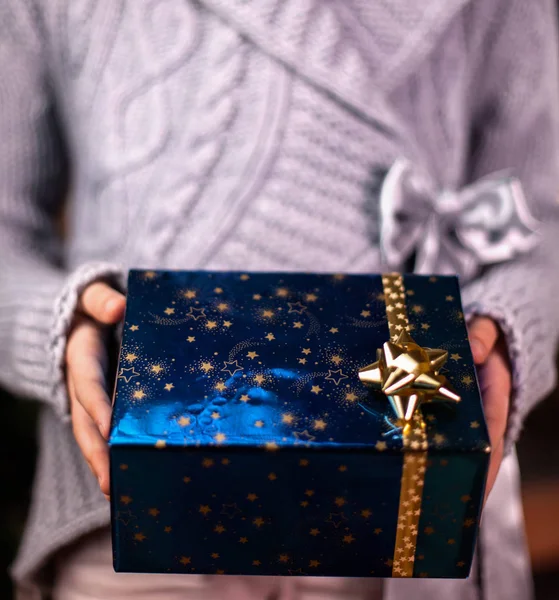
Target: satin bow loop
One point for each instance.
(451, 232)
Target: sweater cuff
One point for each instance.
(527, 340)
(65, 307)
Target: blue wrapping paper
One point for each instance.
(243, 441)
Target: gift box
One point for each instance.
(296, 424)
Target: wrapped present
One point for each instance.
(296, 424)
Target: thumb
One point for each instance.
(483, 333)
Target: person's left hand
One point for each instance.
(491, 359)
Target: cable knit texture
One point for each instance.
(253, 134)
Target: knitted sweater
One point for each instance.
(250, 134)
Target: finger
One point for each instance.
(93, 446)
(483, 333)
(495, 383)
(103, 303)
(494, 466)
(86, 357)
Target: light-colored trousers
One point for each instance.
(85, 572)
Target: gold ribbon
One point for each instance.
(409, 375)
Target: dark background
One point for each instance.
(538, 452)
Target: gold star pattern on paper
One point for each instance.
(449, 298)
(297, 325)
(366, 513)
(342, 468)
(267, 313)
(208, 462)
(283, 558)
(243, 540)
(271, 446)
(227, 323)
(196, 313)
(215, 555)
(222, 306)
(309, 493)
(220, 438)
(185, 560)
(455, 357)
(252, 497)
(258, 521)
(340, 501)
(131, 374)
(302, 361)
(160, 444)
(380, 446)
(259, 424)
(425, 326)
(336, 359)
(467, 380)
(417, 309)
(156, 369)
(465, 498)
(314, 563)
(377, 531)
(439, 439)
(190, 339)
(474, 424)
(272, 476)
(351, 397)
(211, 325)
(130, 357)
(336, 376)
(139, 395)
(469, 522)
(169, 311)
(187, 479)
(168, 529)
(259, 379)
(134, 328)
(334, 330)
(204, 509)
(123, 467)
(287, 418)
(244, 277)
(319, 425)
(257, 297)
(215, 415)
(314, 531)
(304, 436)
(429, 530)
(365, 313)
(252, 354)
(206, 366)
(219, 528)
(153, 512)
(348, 539)
(126, 500)
(316, 389)
(311, 298)
(231, 367)
(256, 563)
(225, 461)
(270, 337)
(282, 292)
(304, 462)
(150, 275)
(218, 290)
(189, 294)
(306, 350)
(168, 387)
(184, 421)
(244, 398)
(140, 537)
(296, 307)
(220, 386)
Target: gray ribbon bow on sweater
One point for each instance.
(452, 232)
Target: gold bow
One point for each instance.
(409, 375)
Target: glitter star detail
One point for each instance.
(169, 311)
(252, 354)
(306, 350)
(296, 307)
(297, 325)
(130, 357)
(316, 389)
(130, 374)
(189, 294)
(185, 560)
(319, 425)
(190, 339)
(336, 376)
(409, 375)
(139, 395)
(156, 369)
(211, 324)
(204, 509)
(169, 387)
(334, 330)
(314, 563)
(134, 328)
(231, 367)
(336, 359)
(311, 297)
(139, 537)
(455, 357)
(220, 386)
(365, 313)
(270, 337)
(196, 313)
(206, 366)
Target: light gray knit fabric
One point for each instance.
(252, 134)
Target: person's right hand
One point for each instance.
(86, 360)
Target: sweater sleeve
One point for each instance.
(37, 296)
(516, 127)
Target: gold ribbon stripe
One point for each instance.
(413, 436)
